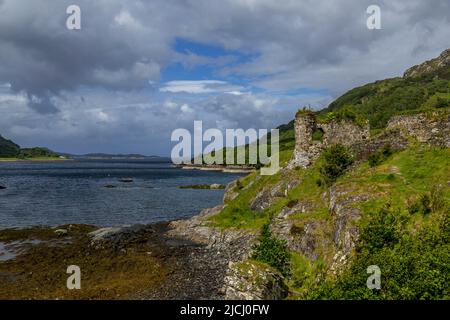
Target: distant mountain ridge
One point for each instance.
(109, 156)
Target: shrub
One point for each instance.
(272, 251)
(423, 205)
(425, 202)
(346, 113)
(336, 159)
(380, 156)
(414, 263)
(438, 202)
(381, 230)
(442, 102)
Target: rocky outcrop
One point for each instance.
(234, 244)
(251, 280)
(263, 200)
(230, 192)
(116, 237)
(308, 237)
(344, 215)
(432, 66)
(61, 232)
(270, 194)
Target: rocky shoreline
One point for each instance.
(193, 259)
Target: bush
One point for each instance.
(346, 113)
(438, 202)
(336, 159)
(272, 251)
(427, 204)
(239, 185)
(413, 262)
(381, 230)
(442, 102)
(380, 156)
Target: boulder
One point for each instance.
(61, 232)
(230, 192)
(251, 280)
(104, 233)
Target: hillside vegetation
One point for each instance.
(11, 150)
(8, 148)
(423, 88)
(321, 227)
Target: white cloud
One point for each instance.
(198, 86)
(101, 87)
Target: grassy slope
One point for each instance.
(400, 181)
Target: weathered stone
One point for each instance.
(230, 192)
(262, 201)
(429, 66)
(116, 237)
(432, 129)
(217, 186)
(345, 232)
(197, 229)
(61, 232)
(251, 280)
(335, 132)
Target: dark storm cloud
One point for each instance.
(87, 85)
(41, 57)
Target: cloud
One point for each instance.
(199, 86)
(107, 87)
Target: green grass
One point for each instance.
(401, 179)
(238, 213)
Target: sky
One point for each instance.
(137, 70)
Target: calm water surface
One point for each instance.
(56, 193)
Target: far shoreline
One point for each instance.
(34, 160)
(217, 168)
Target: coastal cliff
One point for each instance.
(358, 187)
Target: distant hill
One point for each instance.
(110, 156)
(8, 149)
(422, 87)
